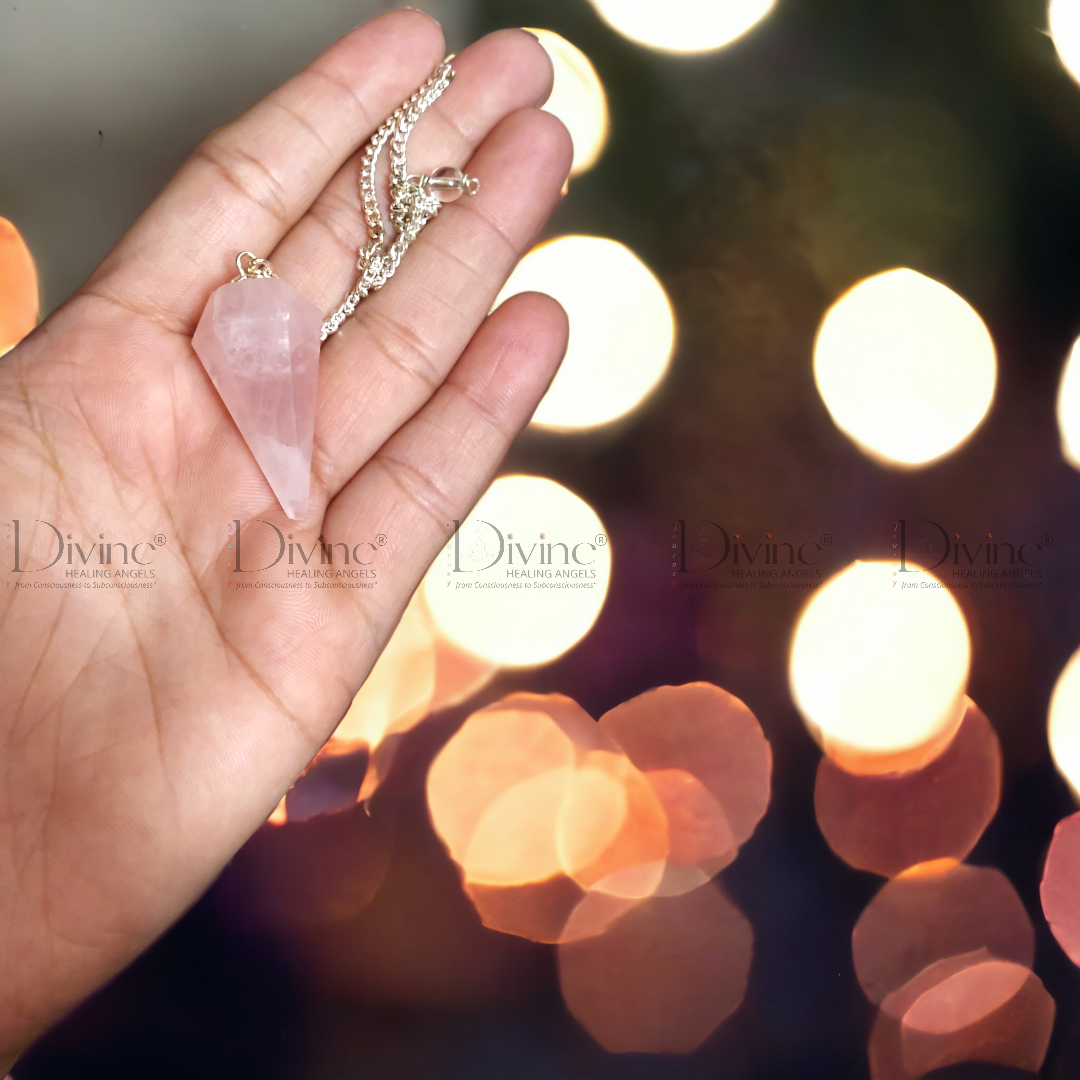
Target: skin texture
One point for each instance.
(147, 733)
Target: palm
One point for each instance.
(147, 732)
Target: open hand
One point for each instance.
(147, 732)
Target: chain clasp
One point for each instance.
(446, 184)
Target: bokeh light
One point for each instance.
(960, 1000)
(917, 921)
(622, 329)
(525, 576)
(1063, 17)
(612, 833)
(905, 367)
(398, 692)
(663, 976)
(1060, 888)
(683, 26)
(559, 830)
(459, 674)
(577, 98)
(709, 762)
(700, 836)
(495, 750)
(892, 823)
(280, 814)
(878, 669)
(419, 672)
(514, 841)
(18, 288)
(1068, 408)
(556, 909)
(896, 1003)
(555, 831)
(1063, 725)
(970, 1009)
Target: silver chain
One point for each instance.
(412, 203)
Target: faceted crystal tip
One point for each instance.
(295, 511)
(259, 342)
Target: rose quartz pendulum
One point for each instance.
(258, 339)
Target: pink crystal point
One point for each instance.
(259, 342)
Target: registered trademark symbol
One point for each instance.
(1047, 539)
(601, 539)
(380, 539)
(159, 539)
(826, 539)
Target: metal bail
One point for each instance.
(256, 267)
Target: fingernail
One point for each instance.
(409, 7)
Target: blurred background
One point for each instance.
(751, 185)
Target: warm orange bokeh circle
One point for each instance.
(18, 287)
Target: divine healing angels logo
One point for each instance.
(320, 563)
(524, 576)
(982, 560)
(96, 563)
(745, 560)
(486, 547)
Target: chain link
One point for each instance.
(411, 203)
